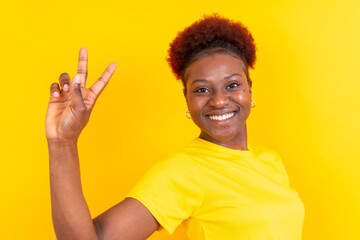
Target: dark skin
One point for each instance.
(68, 112)
(218, 95)
(224, 90)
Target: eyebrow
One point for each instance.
(235, 74)
(225, 78)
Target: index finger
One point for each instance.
(83, 66)
(101, 83)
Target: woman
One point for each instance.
(218, 186)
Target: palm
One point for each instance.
(69, 112)
(61, 118)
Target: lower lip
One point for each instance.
(224, 120)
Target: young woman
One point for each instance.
(218, 186)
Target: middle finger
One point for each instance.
(83, 66)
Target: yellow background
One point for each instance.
(306, 85)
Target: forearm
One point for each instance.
(70, 213)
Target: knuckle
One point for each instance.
(54, 86)
(102, 80)
(83, 58)
(64, 75)
(64, 78)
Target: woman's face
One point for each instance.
(218, 96)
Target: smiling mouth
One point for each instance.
(221, 117)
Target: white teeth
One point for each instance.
(221, 117)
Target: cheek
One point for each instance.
(243, 98)
(194, 105)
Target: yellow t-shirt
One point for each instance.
(220, 193)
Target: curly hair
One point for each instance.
(210, 32)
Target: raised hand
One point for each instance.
(70, 106)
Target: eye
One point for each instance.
(232, 85)
(201, 90)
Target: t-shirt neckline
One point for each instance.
(223, 149)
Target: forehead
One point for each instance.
(215, 66)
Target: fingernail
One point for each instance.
(56, 94)
(66, 87)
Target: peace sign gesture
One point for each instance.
(71, 103)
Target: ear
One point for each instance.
(250, 86)
(185, 95)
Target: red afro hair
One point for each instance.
(210, 32)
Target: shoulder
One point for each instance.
(178, 164)
(175, 173)
(271, 157)
(176, 159)
(177, 167)
(265, 153)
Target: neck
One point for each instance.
(238, 142)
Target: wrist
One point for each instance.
(62, 150)
(62, 141)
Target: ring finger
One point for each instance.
(64, 80)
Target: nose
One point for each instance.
(219, 99)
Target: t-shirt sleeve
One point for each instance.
(171, 190)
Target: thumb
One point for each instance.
(77, 101)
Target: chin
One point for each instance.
(223, 137)
(236, 132)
